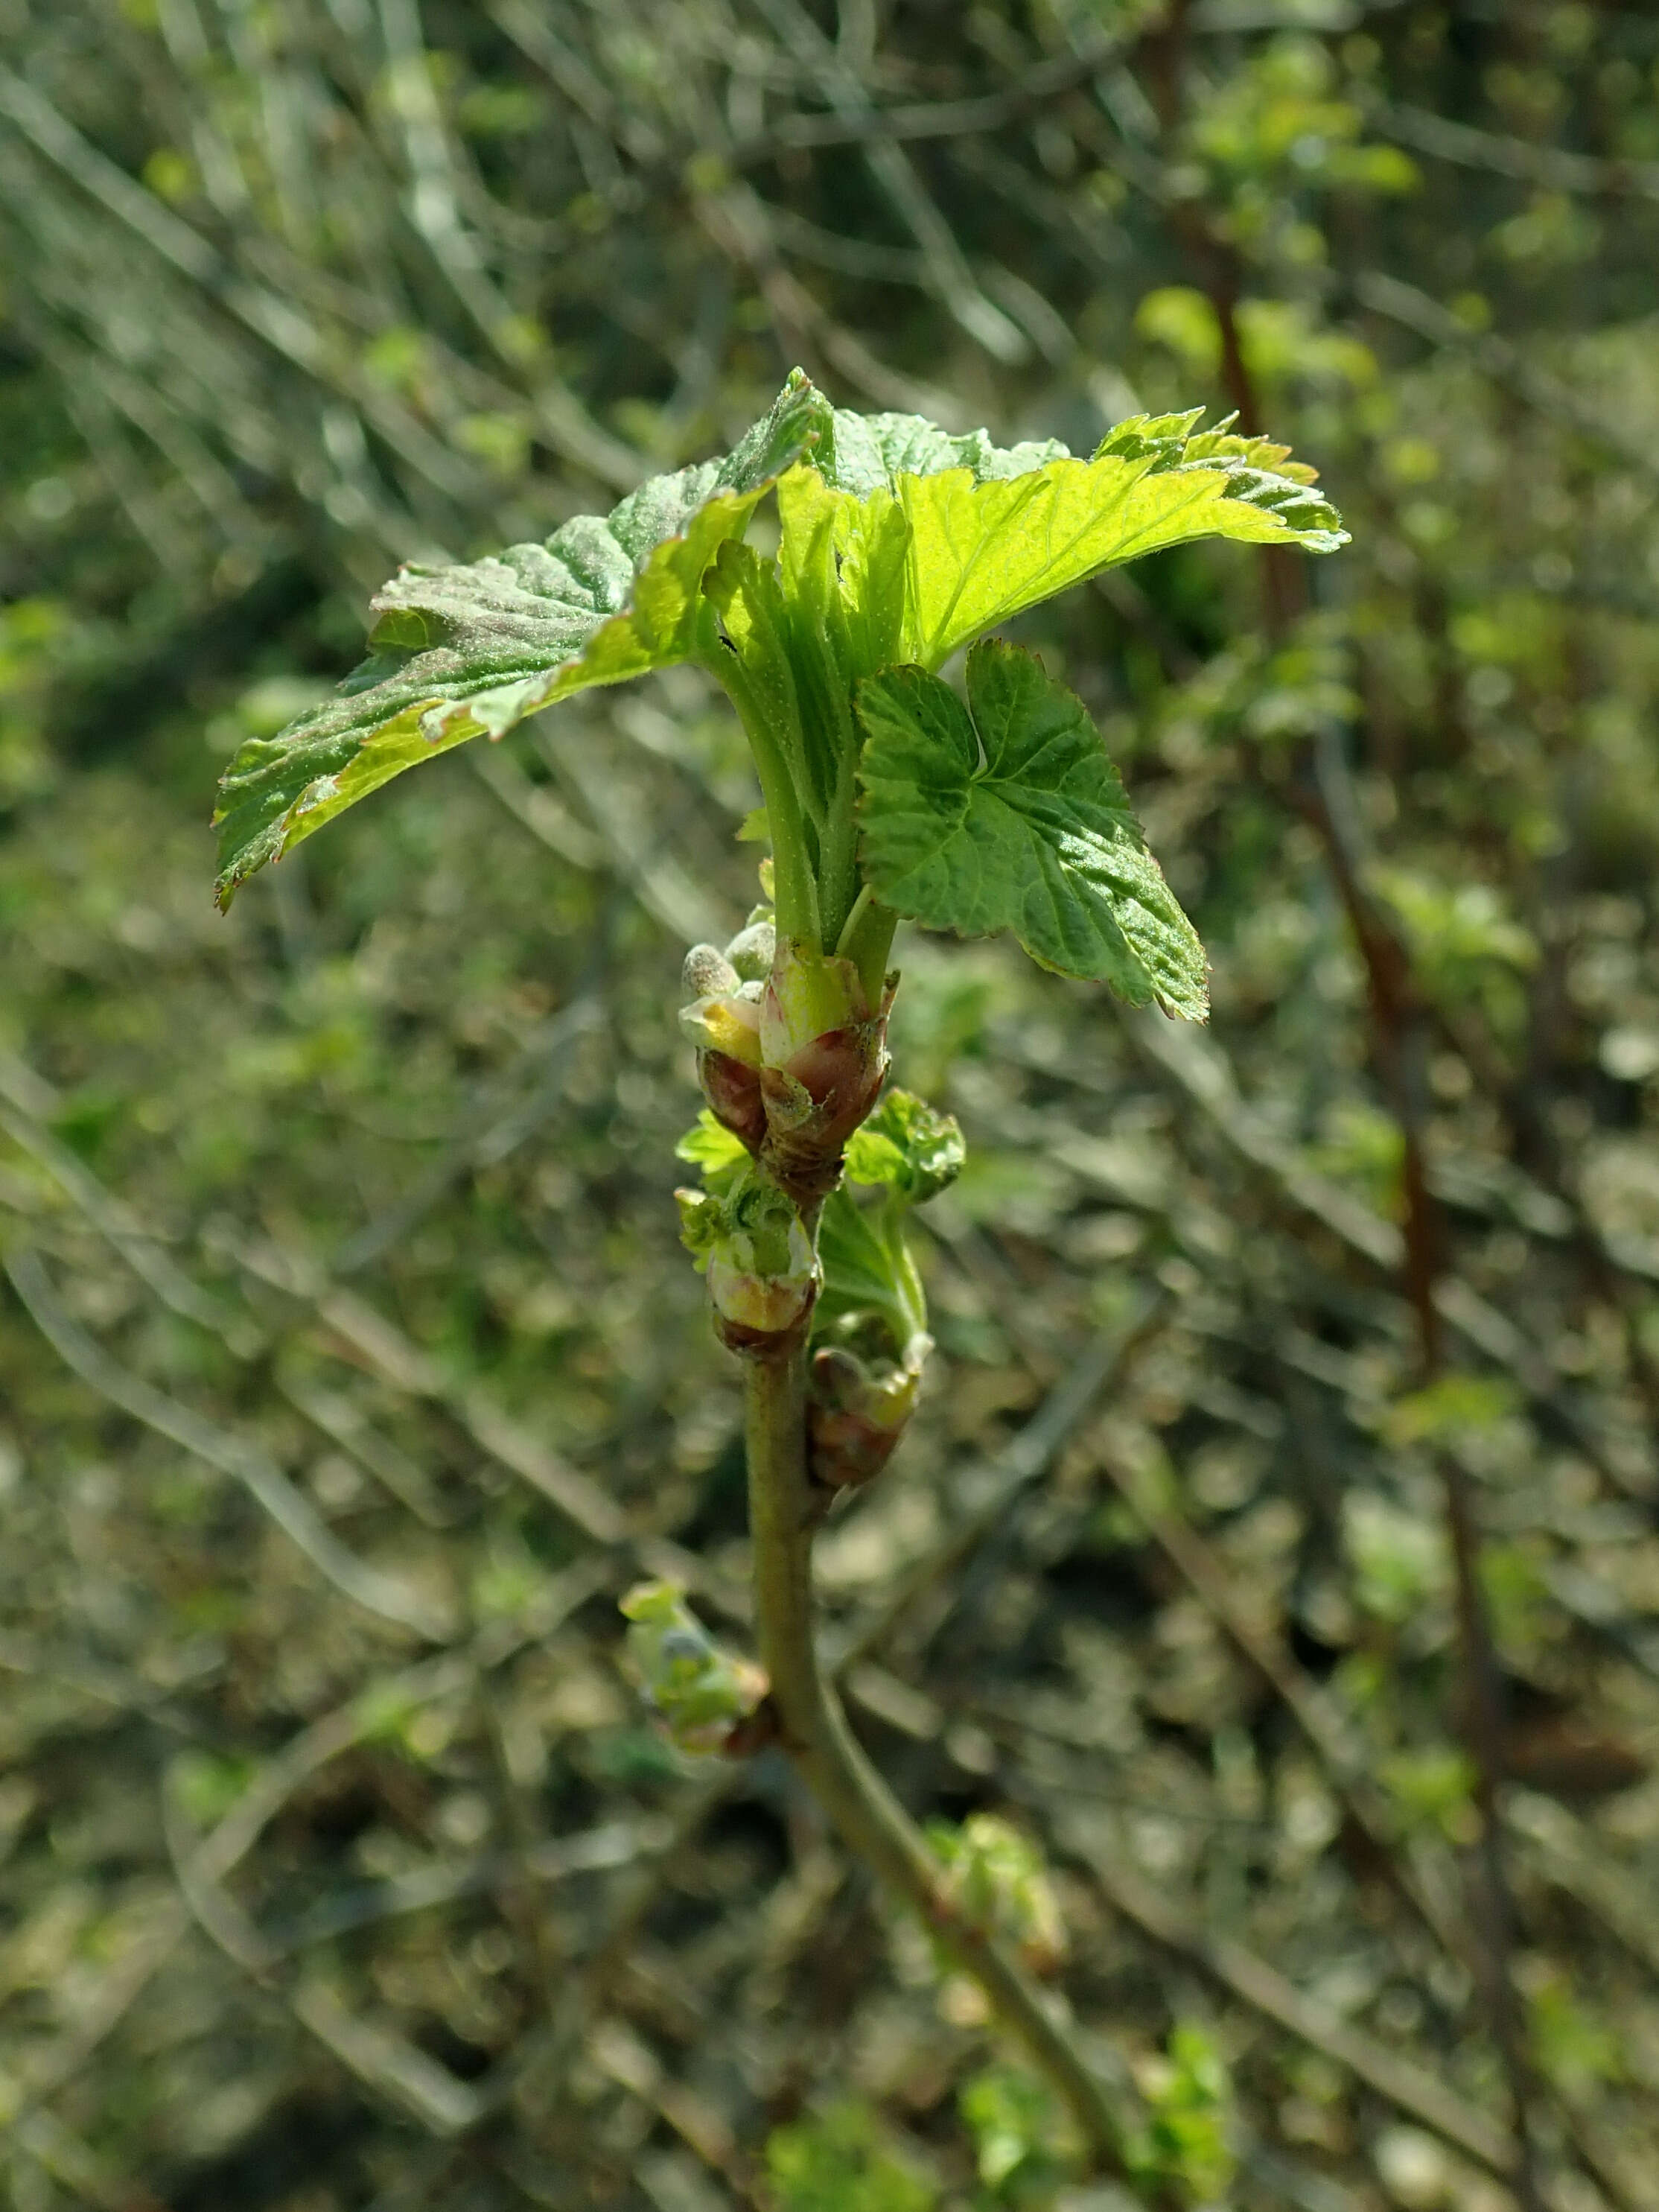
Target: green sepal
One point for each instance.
(1007, 813)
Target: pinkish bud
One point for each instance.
(855, 1417)
(825, 1055)
(733, 1092)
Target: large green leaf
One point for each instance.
(458, 653)
(942, 538)
(1007, 814)
(982, 551)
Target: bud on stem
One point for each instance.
(702, 1694)
(722, 1020)
(748, 1238)
(857, 1413)
(823, 1051)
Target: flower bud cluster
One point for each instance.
(791, 1053)
(751, 1241)
(857, 1410)
(703, 1695)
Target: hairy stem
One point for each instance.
(867, 940)
(796, 883)
(867, 1816)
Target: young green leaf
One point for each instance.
(462, 651)
(868, 1271)
(714, 1151)
(942, 538)
(908, 1144)
(1007, 813)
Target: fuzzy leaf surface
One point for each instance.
(464, 652)
(1007, 813)
(869, 453)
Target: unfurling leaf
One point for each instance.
(1007, 813)
(870, 1285)
(909, 1145)
(995, 1879)
(458, 653)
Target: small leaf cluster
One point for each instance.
(1183, 2140)
(871, 1294)
(907, 1147)
(1021, 2146)
(883, 796)
(842, 2162)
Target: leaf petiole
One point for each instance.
(862, 906)
(867, 939)
(798, 908)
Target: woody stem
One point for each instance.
(868, 1817)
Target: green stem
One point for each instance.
(869, 1819)
(838, 871)
(867, 939)
(859, 907)
(791, 859)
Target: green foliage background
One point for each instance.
(348, 1366)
